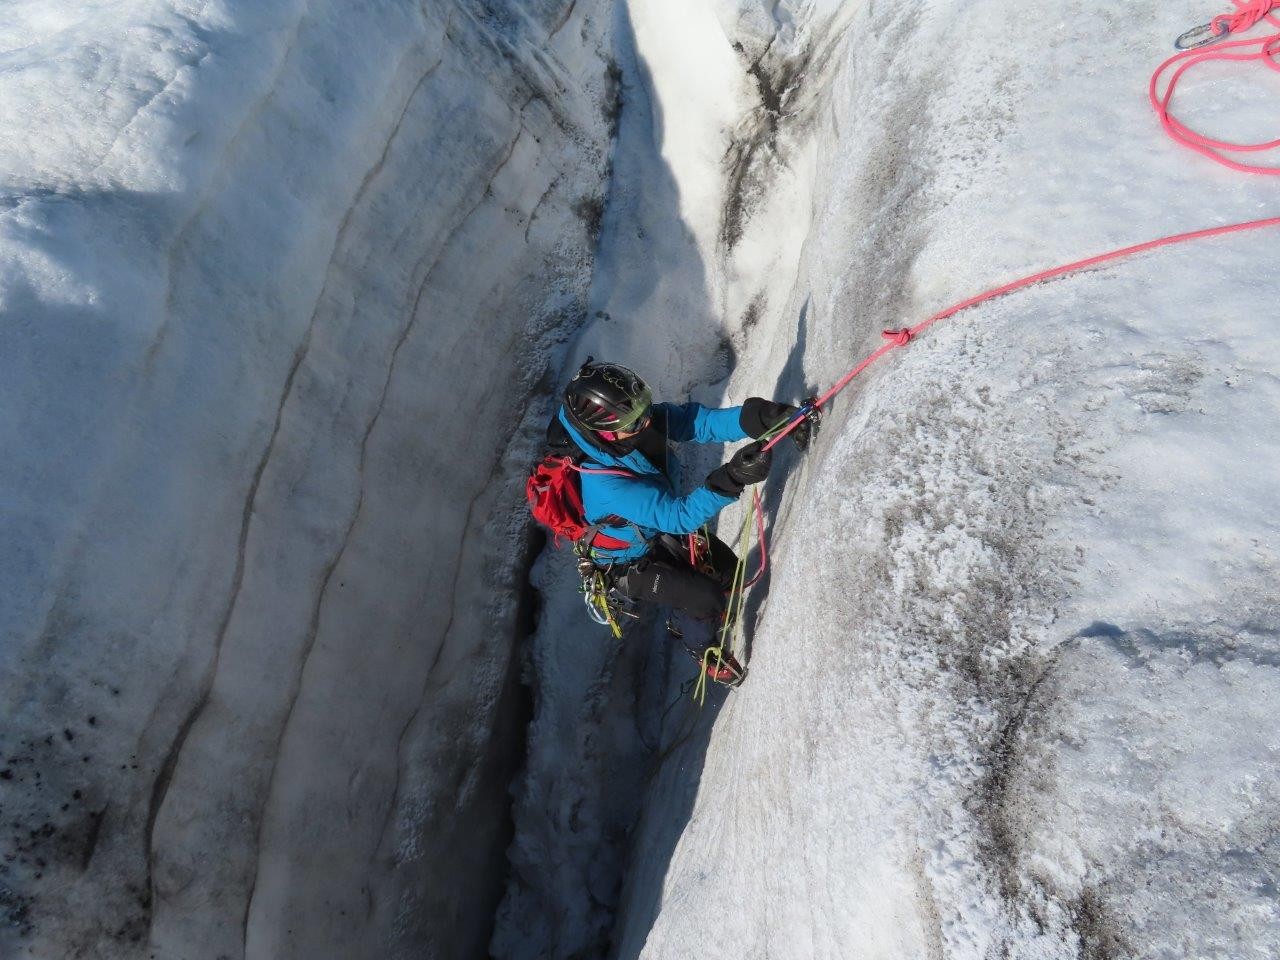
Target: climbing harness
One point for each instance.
(1192, 52)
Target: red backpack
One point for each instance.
(555, 500)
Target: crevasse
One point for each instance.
(287, 293)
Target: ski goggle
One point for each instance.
(611, 435)
(638, 418)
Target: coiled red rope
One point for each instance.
(1259, 49)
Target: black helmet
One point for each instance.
(607, 396)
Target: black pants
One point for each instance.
(664, 576)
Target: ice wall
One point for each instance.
(279, 282)
(1009, 667)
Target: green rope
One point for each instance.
(733, 612)
(728, 630)
(600, 597)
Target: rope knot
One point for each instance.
(1247, 13)
(899, 338)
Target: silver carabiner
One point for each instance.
(1200, 36)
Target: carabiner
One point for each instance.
(1201, 36)
(810, 410)
(594, 611)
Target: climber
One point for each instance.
(608, 422)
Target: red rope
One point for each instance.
(900, 338)
(1261, 49)
(1266, 49)
(568, 462)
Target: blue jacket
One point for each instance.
(650, 499)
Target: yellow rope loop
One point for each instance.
(728, 629)
(600, 597)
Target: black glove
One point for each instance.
(759, 416)
(749, 465)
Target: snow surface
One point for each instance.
(262, 582)
(1013, 669)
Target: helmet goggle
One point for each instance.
(638, 417)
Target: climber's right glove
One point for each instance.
(759, 417)
(749, 465)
